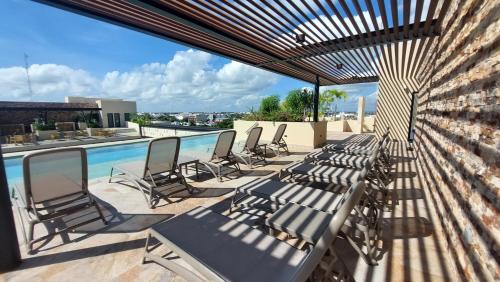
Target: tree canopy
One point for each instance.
(328, 97)
(270, 104)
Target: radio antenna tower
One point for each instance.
(26, 67)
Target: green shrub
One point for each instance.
(269, 104)
(141, 119)
(226, 124)
(296, 107)
(40, 125)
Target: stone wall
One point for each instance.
(458, 137)
(26, 112)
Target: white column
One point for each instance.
(361, 114)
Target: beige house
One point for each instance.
(113, 112)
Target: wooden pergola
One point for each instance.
(321, 42)
(324, 42)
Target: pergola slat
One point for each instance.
(344, 40)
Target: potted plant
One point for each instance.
(141, 120)
(44, 130)
(92, 127)
(295, 111)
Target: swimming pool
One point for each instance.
(101, 159)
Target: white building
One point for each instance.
(113, 113)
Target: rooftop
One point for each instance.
(412, 248)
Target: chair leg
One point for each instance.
(146, 248)
(100, 213)
(110, 175)
(150, 197)
(31, 230)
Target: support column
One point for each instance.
(10, 256)
(316, 100)
(361, 114)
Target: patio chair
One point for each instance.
(55, 185)
(159, 168)
(251, 149)
(344, 159)
(17, 139)
(269, 195)
(324, 173)
(221, 155)
(364, 218)
(66, 129)
(299, 171)
(277, 142)
(356, 148)
(223, 249)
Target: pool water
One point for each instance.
(101, 159)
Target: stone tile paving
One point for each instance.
(412, 248)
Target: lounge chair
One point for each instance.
(159, 168)
(345, 159)
(223, 249)
(55, 185)
(272, 195)
(346, 176)
(277, 142)
(251, 149)
(355, 147)
(221, 156)
(324, 173)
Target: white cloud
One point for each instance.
(48, 81)
(187, 82)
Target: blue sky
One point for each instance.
(73, 55)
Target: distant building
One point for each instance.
(182, 116)
(112, 113)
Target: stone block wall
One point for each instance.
(458, 136)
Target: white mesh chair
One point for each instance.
(357, 148)
(55, 185)
(221, 156)
(223, 249)
(251, 152)
(363, 225)
(344, 159)
(159, 168)
(277, 142)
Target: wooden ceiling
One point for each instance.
(341, 42)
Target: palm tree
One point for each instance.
(328, 97)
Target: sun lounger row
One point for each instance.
(55, 181)
(222, 249)
(215, 246)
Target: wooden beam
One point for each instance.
(358, 41)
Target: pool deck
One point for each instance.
(412, 248)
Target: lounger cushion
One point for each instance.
(325, 173)
(236, 251)
(340, 159)
(301, 222)
(283, 193)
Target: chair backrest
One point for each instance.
(279, 133)
(368, 166)
(347, 203)
(65, 126)
(53, 174)
(224, 144)
(162, 155)
(253, 138)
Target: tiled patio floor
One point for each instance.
(411, 251)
